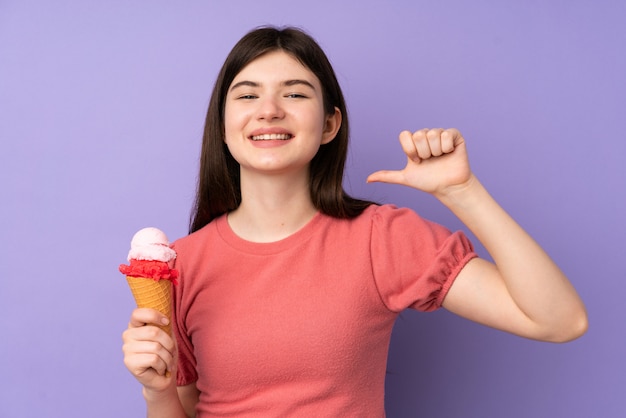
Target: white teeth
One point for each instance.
(267, 137)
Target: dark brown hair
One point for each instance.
(219, 189)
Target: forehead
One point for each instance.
(276, 66)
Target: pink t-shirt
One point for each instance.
(301, 326)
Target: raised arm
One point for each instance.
(524, 292)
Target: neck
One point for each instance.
(272, 207)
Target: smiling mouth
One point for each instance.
(269, 137)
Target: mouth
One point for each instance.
(271, 137)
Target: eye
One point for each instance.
(296, 96)
(246, 97)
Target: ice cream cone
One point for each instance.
(155, 294)
(150, 274)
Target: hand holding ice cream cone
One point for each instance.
(149, 356)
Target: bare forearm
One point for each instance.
(534, 281)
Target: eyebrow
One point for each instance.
(287, 83)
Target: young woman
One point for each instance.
(289, 287)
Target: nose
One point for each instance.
(270, 108)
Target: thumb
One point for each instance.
(386, 176)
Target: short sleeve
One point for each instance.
(186, 372)
(415, 261)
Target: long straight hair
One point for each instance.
(219, 188)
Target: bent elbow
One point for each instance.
(574, 329)
(581, 327)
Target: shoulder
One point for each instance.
(391, 217)
(385, 220)
(196, 241)
(376, 212)
(393, 226)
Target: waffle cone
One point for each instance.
(155, 294)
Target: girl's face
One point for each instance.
(274, 116)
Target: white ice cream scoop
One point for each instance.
(151, 244)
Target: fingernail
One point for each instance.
(165, 321)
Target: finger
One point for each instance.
(420, 141)
(386, 176)
(132, 348)
(152, 348)
(146, 316)
(150, 334)
(450, 138)
(434, 141)
(142, 363)
(141, 354)
(408, 145)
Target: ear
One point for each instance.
(332, 124)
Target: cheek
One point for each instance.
(232, 124)
(312, 119)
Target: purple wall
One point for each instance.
(101, 111)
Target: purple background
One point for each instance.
(101, 113)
